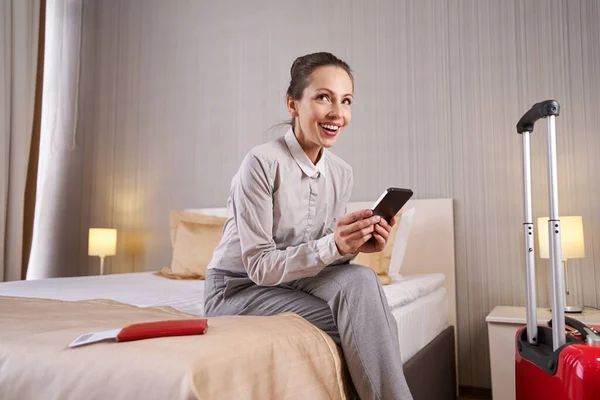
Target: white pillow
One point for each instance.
(400, 243)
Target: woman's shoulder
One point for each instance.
(269, 151)
(264, 156)
(337, 164)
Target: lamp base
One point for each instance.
(573, 309)
(101, 265)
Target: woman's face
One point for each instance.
(324, 109)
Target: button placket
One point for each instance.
(312, 201)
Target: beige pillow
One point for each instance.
(380, 262)
(194, 238)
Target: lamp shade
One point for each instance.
(571, 237)
(102, 242)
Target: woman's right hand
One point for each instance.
(353, 230)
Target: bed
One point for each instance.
(423, 302)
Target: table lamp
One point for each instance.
(572, 246)
(102, 242)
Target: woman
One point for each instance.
(287, 245)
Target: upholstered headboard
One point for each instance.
(430, 246)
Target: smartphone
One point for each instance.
(390, 202)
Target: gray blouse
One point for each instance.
(282, 212)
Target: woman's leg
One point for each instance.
(368, 331)
(228, 293)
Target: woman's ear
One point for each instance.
(292, 106)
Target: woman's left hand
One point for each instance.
(380, 236)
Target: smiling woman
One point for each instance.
(319, 99)
(288, 244)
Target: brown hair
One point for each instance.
(305, 65)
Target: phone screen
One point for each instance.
(390, 202)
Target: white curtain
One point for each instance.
(19, 24)
(58, 142)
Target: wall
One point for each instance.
(174, 93)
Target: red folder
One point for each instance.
(146, 330)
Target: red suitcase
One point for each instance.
(552, 362)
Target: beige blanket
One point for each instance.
(279, 357)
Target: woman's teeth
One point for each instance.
(332, 128)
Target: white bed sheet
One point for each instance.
(418, 302)
(143, 289)
(411, 287)
(421, 321)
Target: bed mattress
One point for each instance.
(418, 302)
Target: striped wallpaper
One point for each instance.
(174, 93)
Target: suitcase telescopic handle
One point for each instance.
(539, 110)
(548, 110)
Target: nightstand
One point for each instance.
(503, 324)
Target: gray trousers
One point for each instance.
(346, 301)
